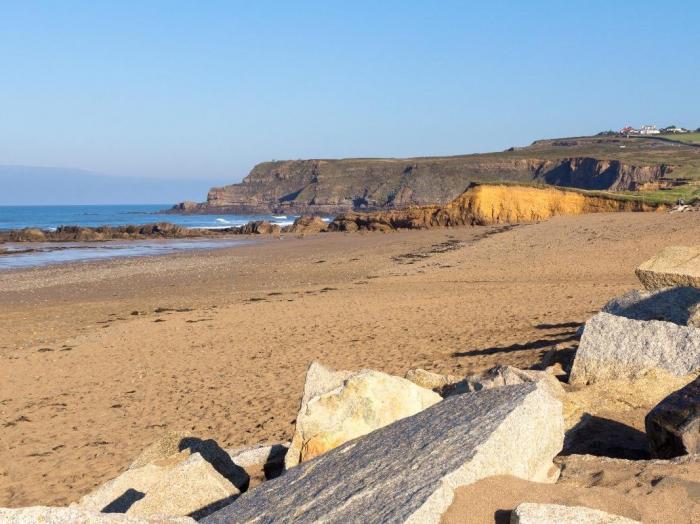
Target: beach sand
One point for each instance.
(99, 359)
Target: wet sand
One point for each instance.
(98, 359)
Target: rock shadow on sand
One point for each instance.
(603, 437)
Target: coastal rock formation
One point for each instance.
(59, 515)
(408, 471)
(529, 513)
(307, 224)
(260, 463)
(101, 233)
(680, 305)
(614, 347)
(339, 186)
(673, 426)
(674, 266)
(486, 205)
(365, 401)
(259, 227)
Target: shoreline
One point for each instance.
(43, 254)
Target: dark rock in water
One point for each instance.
(673, 426)
(408, 471)
(259, 227)
(680, 305)
(102, 233)
(25, 235)
(306, 224)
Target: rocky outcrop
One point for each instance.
(674, 266)
(59, 515)
(101, 233)
(133, 232)
(529, 513)
(486, 205)
(360, 184)
(363, 402)
(306, 224)
(614, 347)
(673, 426)
(408, 471)
(259, 227)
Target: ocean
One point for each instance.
(50, 217)
(24, 255)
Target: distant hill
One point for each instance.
(28, 185)
(661, 170)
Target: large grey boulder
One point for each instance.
(530, 513)
(408, 471)
(73, 515)
(614, 347)
(680, 305)
(673, 425)
(364, 401)
(674, 266)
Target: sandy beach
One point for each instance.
(99, 359)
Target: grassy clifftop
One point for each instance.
(632, 168)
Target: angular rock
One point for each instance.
(448, 385)
(500, 376)
(365, 401)
(614, 347)
(73, 515)
(320, 380)
(673, 425)
(175, 446)
(430, 380)
(680, 305)
(181, 484)
(408, 471)
(529, 513)
(192, 488)
(260, 463)
(674, 266)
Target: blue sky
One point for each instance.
(188, 90)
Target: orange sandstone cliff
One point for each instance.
(490, 204)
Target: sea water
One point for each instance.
(31, 254)
(50, 217)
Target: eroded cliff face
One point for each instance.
(488, 205)
(590, 173)
(337, 186)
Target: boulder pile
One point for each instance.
(646, 331)
(654, 331)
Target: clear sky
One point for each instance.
(187, 89)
